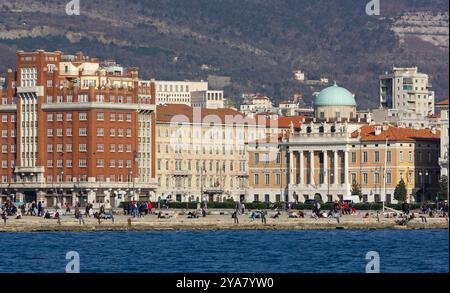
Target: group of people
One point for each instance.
(136, 209)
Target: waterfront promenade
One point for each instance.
(216, 220)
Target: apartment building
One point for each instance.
(70, 130)
(408, 90)
(443, 123)
(178, 92)
(208, 99)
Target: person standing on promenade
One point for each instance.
(264, 217)
(149, 206)
(112, 215)
(235, 217)
(39, 207)
(243, 208)
(80, 218)
(4, 217)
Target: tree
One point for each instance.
(443, 188)
(356, 189)
(400, 191)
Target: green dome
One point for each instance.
(335, 96)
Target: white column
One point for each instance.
(302, 180)
(311, 166)
(325, 167)
(336, 167)
(291, 167)
(347, 186)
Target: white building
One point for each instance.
(177, 92)
(444, 117)
(207, 99)
(256, 104)
(406, 88)
(299, 75)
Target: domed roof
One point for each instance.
(335, 96)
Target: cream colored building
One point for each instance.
(407, 89)
(177, 92)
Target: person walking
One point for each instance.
(150, 207)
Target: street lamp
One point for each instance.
(423, 184)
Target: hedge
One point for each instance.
(264, 205)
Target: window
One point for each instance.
(112, 117)
(353, 157)
(256, 179)
(82, 116)
(82, 163)
(100, 147)
(256, 158)
(49, 99)
(128, 132)
(120, 148)
(128, 148)
(365, 157)
(353, 177)
(50, 148)
(278, 178)
(100, 131)
(100, 163)
(69, 148)
(82, 147)
(112, 148)
(112, 132)
(365, 178)
(388, 178)
(388, 156)
(50, 132)
(377, 156)
(69, 116)
(401, 156)
(129, 117)
(59, 163)
(59, 117)
(59, 148)
(120, 117)
(69, 131)
(50, 163)
(410, 156)
(49, 83)
(376, 178)
(50, 117)
(83, 132)
(100, 116)
(59, 132)
(69, 99)
(120, 132)
(266, 179)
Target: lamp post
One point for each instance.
(422, 176)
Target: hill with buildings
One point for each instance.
(258, 43)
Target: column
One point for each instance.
(336, 168)
(291, 167)
(347, 186)
(302, 180)
(311, 167)
(325, 167)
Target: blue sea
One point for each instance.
(227, 251)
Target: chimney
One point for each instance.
(378, 129)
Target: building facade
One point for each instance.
(443, 122)
(75, 132)
(407, 89)
(177, 92)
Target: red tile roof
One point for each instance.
(183, 113)
(442, 103)
(396, 134)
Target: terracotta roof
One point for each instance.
(442, 103)
(396, 134)
(184, 113)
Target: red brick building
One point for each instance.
(75, 129)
